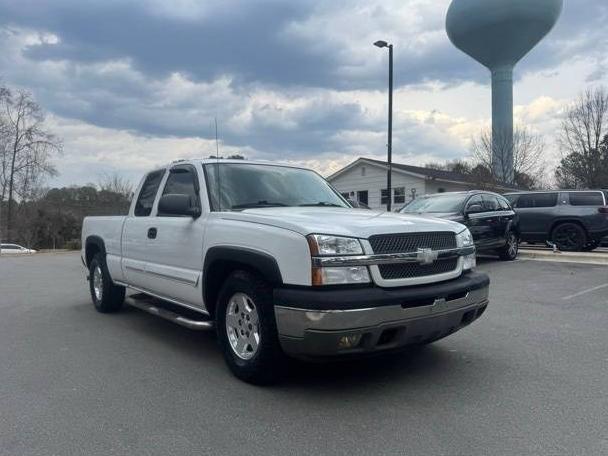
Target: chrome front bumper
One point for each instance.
(309, 333)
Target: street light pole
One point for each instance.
(389, 190)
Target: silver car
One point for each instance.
(15, 249)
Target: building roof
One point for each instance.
(419, 171)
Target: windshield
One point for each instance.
(245, 185)
(436, 203)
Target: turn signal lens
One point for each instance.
(340, 276)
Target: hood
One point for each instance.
(453, 216)
(359, 223)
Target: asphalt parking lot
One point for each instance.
(529, 378)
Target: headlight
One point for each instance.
(465, 239)
(323, 245)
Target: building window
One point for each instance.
(384, 196)
(399, 195)
(362, 197)
(363, 170)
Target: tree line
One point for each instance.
(30, 213)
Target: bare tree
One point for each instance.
(528, 156)
(27, 147)
(583, 129)
(115, 183)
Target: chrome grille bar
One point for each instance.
(388, 258)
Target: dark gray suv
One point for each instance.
(573, 220)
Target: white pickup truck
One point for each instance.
(275, 260)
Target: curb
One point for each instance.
(565, 257)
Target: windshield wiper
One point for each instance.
(320, 204)
(263, 203)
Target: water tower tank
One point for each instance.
(498, 34)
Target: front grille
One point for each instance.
(411, 242)
(412, 270)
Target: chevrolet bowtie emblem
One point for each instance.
(426, 256)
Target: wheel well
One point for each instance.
(561, 222)
(217, 274)
(221, 261)
(93, 246)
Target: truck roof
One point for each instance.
(206, 161)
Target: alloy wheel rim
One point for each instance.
(242, 326)
(568, 237)
(98, 283)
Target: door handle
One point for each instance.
(152, 233)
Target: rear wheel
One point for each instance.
(106, 296)
(569, 237)
(511, 249)
(247, 331)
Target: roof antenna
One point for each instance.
(217, 167)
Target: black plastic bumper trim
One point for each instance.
(364, 298)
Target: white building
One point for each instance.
(364, 180)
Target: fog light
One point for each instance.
(349, 341)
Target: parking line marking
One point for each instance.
(589, 290)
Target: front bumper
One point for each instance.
(324, 323)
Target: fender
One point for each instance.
(265, 264)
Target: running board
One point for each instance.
(196, 325)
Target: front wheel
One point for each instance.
(106, 296)
(247, 330)
(511, 249)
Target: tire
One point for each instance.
(569, 237)
(244, 299)
(106, 296)
(511, 249)
(591, 246)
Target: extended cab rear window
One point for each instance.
(147, 194)
(586, 199)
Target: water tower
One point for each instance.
(498, 34)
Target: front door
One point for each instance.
(479, 222)
(175, 253)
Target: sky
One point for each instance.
(131, 85)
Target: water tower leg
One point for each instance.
(502, 123)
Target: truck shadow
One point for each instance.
(416, 366)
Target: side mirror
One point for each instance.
(178, 204)
(474, 208)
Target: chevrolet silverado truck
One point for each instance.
(279, 264)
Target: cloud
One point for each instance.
(297, 81)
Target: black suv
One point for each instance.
(489, 216)
(573, 220)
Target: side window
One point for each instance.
(145, 200)
(490, 203)
(183, 180)
(533, 200)
(475, 201)
(586, 199)
(545, 200)
(503, 204)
